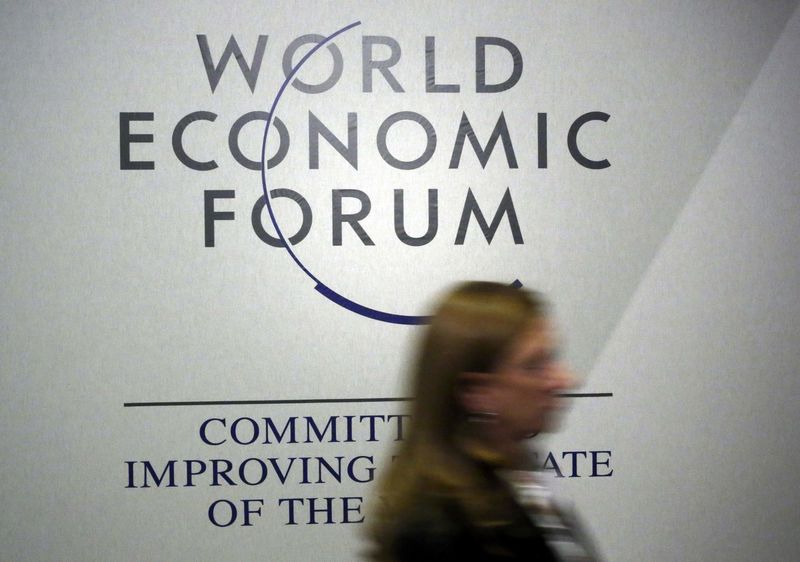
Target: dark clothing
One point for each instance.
(438, 530)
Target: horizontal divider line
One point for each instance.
(318, 401)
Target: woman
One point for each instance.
(462, 486)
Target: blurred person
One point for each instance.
(463, 485)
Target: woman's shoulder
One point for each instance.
(434, 526)
(437, 528)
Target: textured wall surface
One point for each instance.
(673, 270)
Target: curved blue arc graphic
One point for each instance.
(267, 201)
(323, 289)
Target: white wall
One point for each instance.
(673, 271)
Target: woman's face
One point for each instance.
(528, 380)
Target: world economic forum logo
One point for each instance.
(499, 137)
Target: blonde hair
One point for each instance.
(472, 327)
